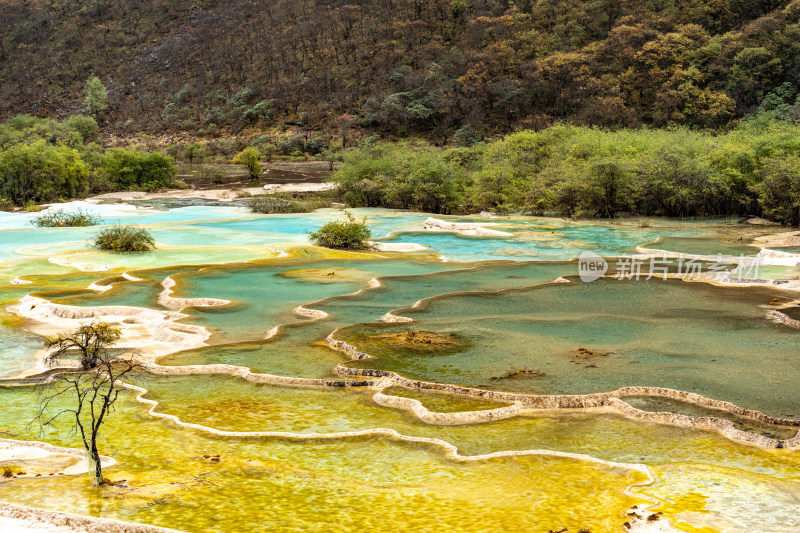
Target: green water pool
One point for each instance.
(492, 305)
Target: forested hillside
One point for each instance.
(400, 67)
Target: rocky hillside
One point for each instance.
(400, 67)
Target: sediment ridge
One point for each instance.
(166, 299)
(464, 228)
(22, 518)
(530, 403)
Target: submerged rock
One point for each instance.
(521, 373)
(419, 340)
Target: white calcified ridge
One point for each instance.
(391, 318)
(17, 518)
(316, 314)
(464, 228)
(99, 288)
(613, 399)
(783, 318)
(155, 333)
(397, 246)
(446, 419)
(165, 298)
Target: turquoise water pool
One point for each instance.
(497, 304)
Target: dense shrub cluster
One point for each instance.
(349, 234)
(286, 203)
(581, 171)
(66, 219)
(41, 172)
(124, 238)
(43, 160)
(138, 169)
(269, 205)
(403, 176)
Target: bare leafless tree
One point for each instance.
(85, 396)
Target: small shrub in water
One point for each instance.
(63, 219)
(124, 238)
(268, 205)
(284, 202)
(348, 235)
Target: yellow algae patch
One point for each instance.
(551, 227)
(688, 502)
(317, 252)
(330, 275)
(691, 529)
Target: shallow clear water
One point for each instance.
(351, 484)
(721, 244)
(714, 341)
(496, 296)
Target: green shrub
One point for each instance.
(194, 152)
(343, 235)
(269, 205)
(249, 159)
(366, 142)
(400, 176)
(86, 126)
(135, 168)
(63, 219)
(41, 172)
(291, 145)
(466, 136)
(32, 207)
(124, 238)
(283, 202)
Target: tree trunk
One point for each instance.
(95, 468)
